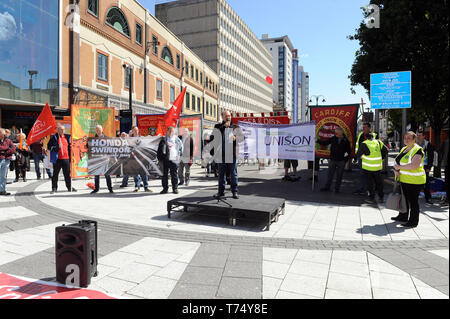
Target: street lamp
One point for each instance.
(128, 114)
(317, 99)
(31, 73)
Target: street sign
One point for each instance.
(390, 90)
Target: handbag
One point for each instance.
(397, 201)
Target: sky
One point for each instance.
(319, 30)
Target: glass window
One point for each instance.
(138, 33)
(172, 94)
(192, 71)
(93, 7)
(178, 61)
(166, 55)
(102, 65)
(201, 78)
(188, 100)
(193, 102)
(159, 89)
(199, 106)
(186, 68)
(196, 75)
(117, 20)
(207, 108)
(154, 45)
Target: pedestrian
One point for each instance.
(225, 138)
(99, 134)
(409, 168)
(125, 178)
(211, 164)
(22, 155)
(287, 165)
(340, 152)
(428, 150)
(37, 152)
(140, 179)
(170, 149)
(444, 163)
(59, 146)
(362, 190)
(184, 168)
(372, 152)
(7, 149)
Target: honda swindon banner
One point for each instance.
(124, 156)
(290, 142)
(13, 287)
(328, 118)
(84, 121)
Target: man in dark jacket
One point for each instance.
(186, 158)
(99, 133)
(339, 153)
(7, 149)
(428, 149)
(224, 140)
(59, 146)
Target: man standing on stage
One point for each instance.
(225, 138)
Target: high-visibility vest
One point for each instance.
(357, 140)
(374, 161)
(414, 176)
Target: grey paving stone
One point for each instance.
(240, 288)
(443, 289)
(430, 276)
(201, 276)
(215, 249)
(243, 269)
(193, 291)
(206, 259)
(246, 255)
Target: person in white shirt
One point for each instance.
(170, 150)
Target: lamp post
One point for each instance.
(317, 99)
(128, 114)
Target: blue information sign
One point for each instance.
(390, 90)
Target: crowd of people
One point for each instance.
(412, 166)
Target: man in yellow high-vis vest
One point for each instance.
(362, 190)
(372, 152)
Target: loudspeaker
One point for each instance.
(76, 253)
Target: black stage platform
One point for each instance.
(246, 207)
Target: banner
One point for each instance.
(148, 124)
(194, 125)
(84, 121)
(124, 156)
(328, 118)
(290, 142)
(271, 120)
(13, 287)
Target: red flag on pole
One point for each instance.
(44, 126)
(173, 114)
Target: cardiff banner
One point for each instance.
(289, 142)
(328, 118)
(124, 156)
(84, 121)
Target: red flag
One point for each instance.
(44, 126)
(159, 130)
(269, 79)
(173, 114)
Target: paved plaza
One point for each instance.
(325, 246)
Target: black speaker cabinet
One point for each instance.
(76, 253)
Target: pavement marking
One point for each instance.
(22, 243)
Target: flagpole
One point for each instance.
(313, 172)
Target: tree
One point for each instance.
(413, 36)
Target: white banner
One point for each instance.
(289, 142)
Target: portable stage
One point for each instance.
(246, 207)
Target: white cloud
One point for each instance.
(8, 27)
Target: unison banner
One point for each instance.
(124, 156)
(84, 121)
(328, 118)
(290, 142)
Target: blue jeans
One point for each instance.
(125, 180)
(137, 181)
(4, 165)
(232, 168)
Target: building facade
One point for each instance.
(303, 94)
(100, 45)
(213, 30)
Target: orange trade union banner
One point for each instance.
(328, 118)
(84, 121)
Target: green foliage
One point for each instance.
(413, 36)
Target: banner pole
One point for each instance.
(313, 172)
